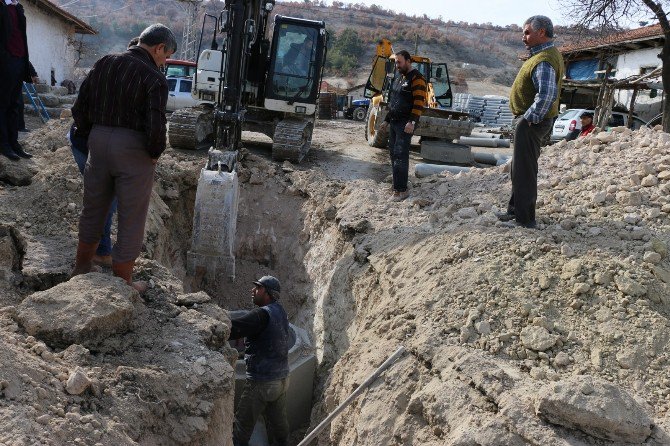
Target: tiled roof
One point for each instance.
(638, 34)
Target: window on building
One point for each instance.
(647, 69)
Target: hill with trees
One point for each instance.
(473, 51)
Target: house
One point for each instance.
(625, 58)
(52, 39)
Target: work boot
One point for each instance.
(507, 216)
(9, 153)
(399, 196)
(125, 271)
(20, 152)
(83, 264)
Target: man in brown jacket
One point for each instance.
(121, 111)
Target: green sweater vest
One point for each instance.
(523, 91)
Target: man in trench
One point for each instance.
(534, 100)
(266, 331)
(120, 112)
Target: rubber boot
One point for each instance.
(83, 263)
(125, 271)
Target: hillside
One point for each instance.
(474, 52)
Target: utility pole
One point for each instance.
(188, 41)
(416, 43)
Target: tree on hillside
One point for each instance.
(345, 50)
(604, 14)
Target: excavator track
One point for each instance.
(292, 140)
(191, 127)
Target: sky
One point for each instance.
(497, 12)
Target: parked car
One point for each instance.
(568, 124)
(180, 93)
(358, 109)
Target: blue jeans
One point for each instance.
(105, 245)
(399, 142)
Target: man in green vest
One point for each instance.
(534, 100)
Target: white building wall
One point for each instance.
(49, 44)
(629, 64)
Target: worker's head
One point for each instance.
(134, 41)
(159, 41)
(403, 61)
(265, 290)
(587, 119)
(537, 30)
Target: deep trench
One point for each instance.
(270, 239)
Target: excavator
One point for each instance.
(255, 82)
(438, 127)
(248, 79)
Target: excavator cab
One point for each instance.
(297, 59)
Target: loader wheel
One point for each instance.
(376, 137)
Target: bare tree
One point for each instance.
(604, 14)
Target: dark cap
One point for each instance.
(587, 115)
(270, 283)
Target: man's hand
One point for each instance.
(154, 161)
(35, 79)
(384, 125)
(409, 128)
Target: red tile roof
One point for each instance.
(638, 34)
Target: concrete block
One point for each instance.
(446, 152)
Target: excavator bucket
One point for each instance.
(211, 257)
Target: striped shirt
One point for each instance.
(546, 85)
(408, 97)
(419, 93)
(125, 90)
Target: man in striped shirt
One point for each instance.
(408, 97)
(534, 100)
(120, 111)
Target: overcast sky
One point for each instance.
(498, 12)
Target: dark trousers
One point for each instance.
(10, 92)
(527, 143)
(262, 397)
(118, 164)
(399, 143)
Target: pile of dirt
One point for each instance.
(584, 296)
(515, 336)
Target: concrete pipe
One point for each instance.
(479, 142)
(494, 159)
(484, 135)
(503, 142)
(423, 170)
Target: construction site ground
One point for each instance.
(555, 336)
